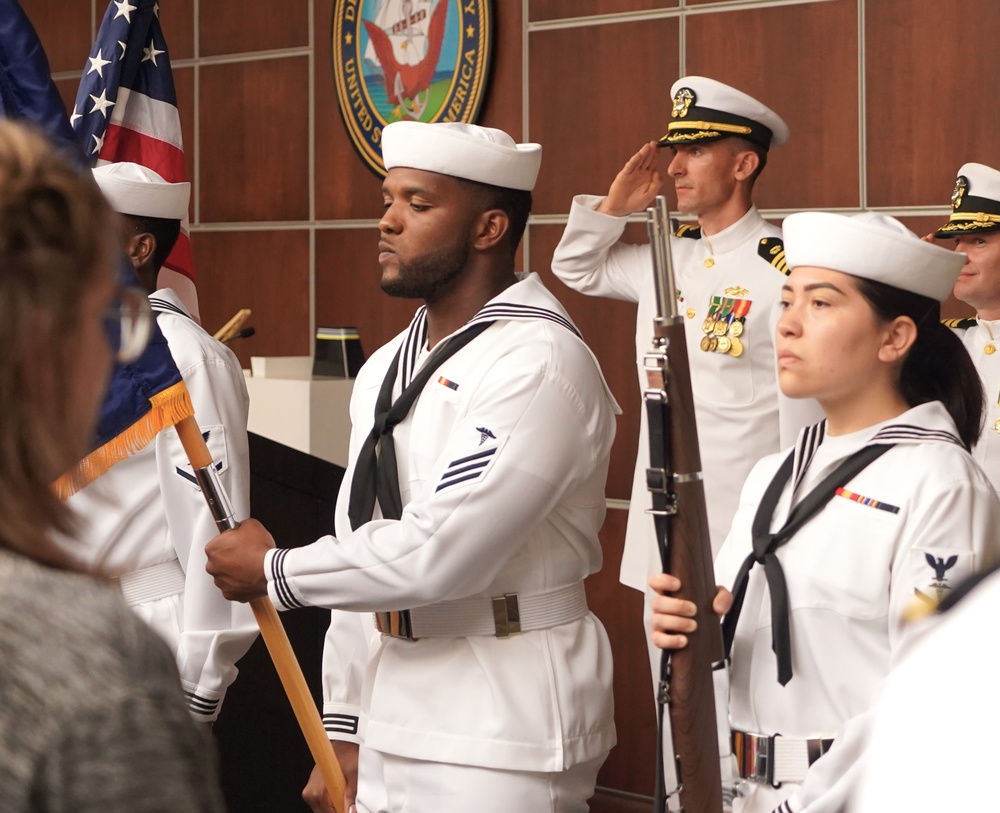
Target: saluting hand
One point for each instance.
(634, 188)
(236, 561)
(672, 617)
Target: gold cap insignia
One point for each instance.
(683, 99)
(961, 184)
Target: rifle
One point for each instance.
(678, 495)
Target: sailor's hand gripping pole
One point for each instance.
(273, 633)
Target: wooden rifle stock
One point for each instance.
(678, 495)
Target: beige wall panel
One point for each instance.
(254, 156)
(592, 105)
(608, 327)
(177, 21)
(630, 766)
(347, 287)
(800, 60)
(560, 9)
(267, 272)
(236, 26)
(931, 96)
(64, 30)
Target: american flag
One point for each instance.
(126, 110)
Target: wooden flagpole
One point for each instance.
(271, 629)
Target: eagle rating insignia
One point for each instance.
(416, 60)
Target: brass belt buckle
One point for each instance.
(395, 623)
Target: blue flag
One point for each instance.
(26, 87)
(144, 397)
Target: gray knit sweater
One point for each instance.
(91, 712)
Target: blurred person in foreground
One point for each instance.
(91, 712)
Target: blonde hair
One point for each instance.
(57, 238)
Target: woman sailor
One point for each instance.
(876, 507)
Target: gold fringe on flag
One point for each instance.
(167, 408)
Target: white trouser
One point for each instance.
(392, 784)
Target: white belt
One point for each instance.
(500, 617)
(777, 759)
(150, 583)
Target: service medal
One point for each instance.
(724, 344)
(705, 340)
(721, 327)
(736, 328)
(736, 350)
(713, 342)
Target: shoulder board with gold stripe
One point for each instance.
(772, 249)
(687, 230)
(959, 324)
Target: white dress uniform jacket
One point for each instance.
(933, 743)
(147, 511)
(526, 401)
(740, 412)
(979, 340)
(912, 524)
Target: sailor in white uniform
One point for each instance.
(877, 506)
(489, 687)
(974, 229)
(729, 270)
(145, 519)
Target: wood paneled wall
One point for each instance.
(885, 100)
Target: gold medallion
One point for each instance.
(989, 350)
(721, 327)
(705, 340)
(708, 325)
(736, 350)
(691, 313)
(724, 344)
(709, 262)
(713, 342)
(736, 328)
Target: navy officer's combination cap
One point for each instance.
(705, 110)
(975, 203)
